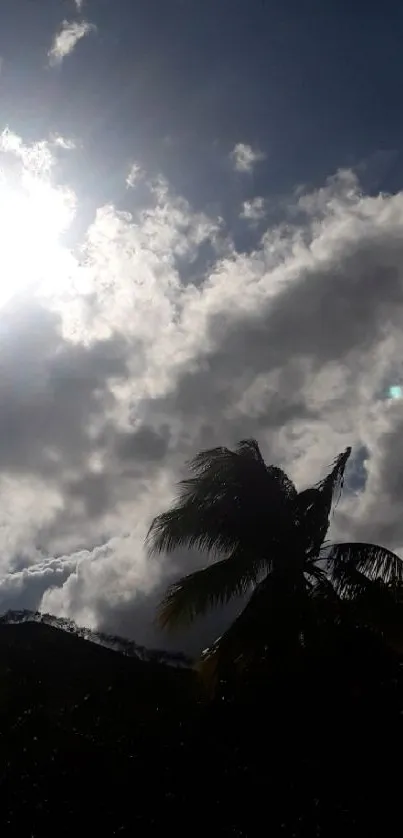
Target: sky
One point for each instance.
(201, 214)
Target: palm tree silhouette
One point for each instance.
(267, 539)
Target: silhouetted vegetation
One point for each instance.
(303, 733)
(269, 540)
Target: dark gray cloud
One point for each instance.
(93, 491)
(143, 444)
(50, 389)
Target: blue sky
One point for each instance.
(201, 210)
(176, 83)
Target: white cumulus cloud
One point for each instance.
(244, 158)
(133, 175)
(254, 209)
(67, 38)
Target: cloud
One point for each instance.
(66, 143)
(65, 41)
(133, 175)
(244, 158)
(25, 588)
(108, 385)
(37, 158)
(253, 210)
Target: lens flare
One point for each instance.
(395, 391)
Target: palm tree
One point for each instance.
(266, 539)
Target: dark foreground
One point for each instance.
(93, 742)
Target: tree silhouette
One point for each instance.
(267, 539)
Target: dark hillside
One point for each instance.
(92, 738)
(82, 730)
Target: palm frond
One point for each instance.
(323, 590)
(310, 521)
(348, 582)
(334, 481)
(251, 448)
(345, 561)
(214, 585)
(225, 504)
(315, 574)
(267, 628)
(371, 606)
(312, 508)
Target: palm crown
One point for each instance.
(265, 538)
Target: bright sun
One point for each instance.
(33, 216)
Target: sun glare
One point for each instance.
(33, 216)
